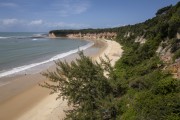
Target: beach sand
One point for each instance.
(24, 99)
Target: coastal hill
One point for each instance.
(149, 70)
(165, 27)
(85, 33)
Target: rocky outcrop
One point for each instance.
(128, 34)
(140, 39)
(104, 35)
(164, 52)
(175, 68)
(52, 35)
(178, 35)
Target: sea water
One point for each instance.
(21, 51)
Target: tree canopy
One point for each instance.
(84, 85)
(163, 10)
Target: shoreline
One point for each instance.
(34, 102)
(27, 68)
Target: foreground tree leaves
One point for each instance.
(86, 87)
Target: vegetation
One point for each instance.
(137, 88)
(163, 10)
(85, 86)
(151, 92)
(176, 55)
(63, 33)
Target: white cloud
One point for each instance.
(66, 25)
(36, 25)
(36, 22)
(116, 25)
(8, 4)
(9, 21)
(71, 7)
(80, 8)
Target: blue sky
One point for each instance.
(45, 15)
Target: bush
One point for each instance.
(166, 86)
(83, 84)
(176, 55)
(156, 107)
(163, 10)
(175, 45)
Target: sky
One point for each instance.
(46, 15)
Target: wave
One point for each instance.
(40, 35)
(4, 37)
(39, 39)
(59, 56)
(16, 37)
(22, 37)
(34, 39)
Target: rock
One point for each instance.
(105, 35)
(178, 35)
(52, 35)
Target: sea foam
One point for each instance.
(59, 56)
(3, 37)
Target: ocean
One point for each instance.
(22, 51)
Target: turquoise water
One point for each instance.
(20, 51)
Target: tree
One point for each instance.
(163, 10)
(84, 85)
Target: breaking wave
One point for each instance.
(59, 56)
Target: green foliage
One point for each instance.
(163, 10)
(151, 93)
(174, 24)
(83, 84)
(175, 45)
(176, 55)
(157, 107)
(166, 86)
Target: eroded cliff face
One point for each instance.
(52, 35)
(166, 55)
(104, 35)
(175, 68)
(178, 35)
(165, 52)
(140, 39)
(128, 34)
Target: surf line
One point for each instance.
(59, 56)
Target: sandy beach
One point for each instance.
(24, 99)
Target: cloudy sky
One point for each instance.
(45, 15)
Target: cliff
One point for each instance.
(52, 35)
(85, 34)
(105, 35)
